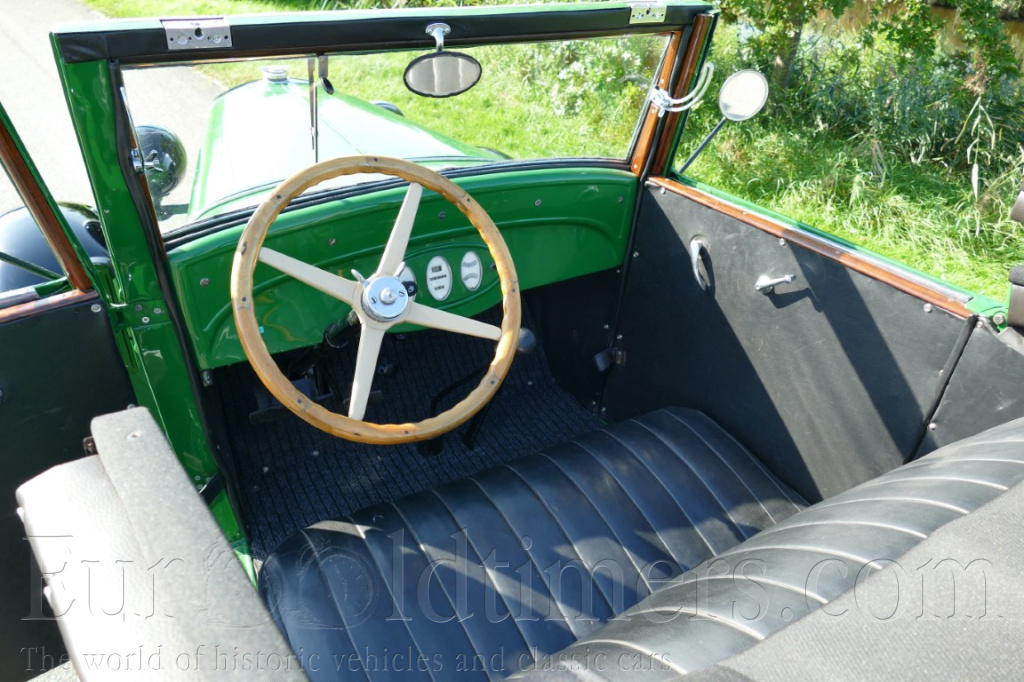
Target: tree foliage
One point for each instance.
(778, 27)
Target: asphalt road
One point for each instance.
(31, 93)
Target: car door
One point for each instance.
(832, 364)
(59, 368)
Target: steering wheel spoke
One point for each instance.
(370, 339)
(394, 252)
(439, 319)
(340, 288)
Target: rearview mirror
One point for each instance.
(442, 74)
(743, 95)
(163, 158)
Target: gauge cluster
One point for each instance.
(452, 275)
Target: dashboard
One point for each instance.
(559, 223)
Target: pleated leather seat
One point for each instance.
(791, 570)
(481, 577)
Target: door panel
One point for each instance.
(59, 368)
(984, 390)
(829, 379)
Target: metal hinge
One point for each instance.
(138, 315)
(213, 487)
(646, 13)
(608, 357)
(197, 34)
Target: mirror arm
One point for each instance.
(314, 123)
(439, 31)
(702, 145)
(322, 68)
(32, 268)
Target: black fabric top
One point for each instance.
(1017, 275)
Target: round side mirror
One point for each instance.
(743, 95)
(163, 156)
(442, 74)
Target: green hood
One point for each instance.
(259, 134)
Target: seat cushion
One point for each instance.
(734, 601)
(485, 575)
(951, 608)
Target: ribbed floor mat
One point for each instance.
(292, 475)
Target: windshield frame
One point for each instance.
(199, 218)
(91, 57)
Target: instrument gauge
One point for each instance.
(472, 270)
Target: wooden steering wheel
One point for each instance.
(380, 301)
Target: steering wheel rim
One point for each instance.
(250, 251)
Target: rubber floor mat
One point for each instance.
(292, 475)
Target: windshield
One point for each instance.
(242, 127)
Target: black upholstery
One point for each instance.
(484, 575)
(952, 608)
(760, 586)
(626, 508)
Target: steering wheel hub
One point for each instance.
(384, 298)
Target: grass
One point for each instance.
(923, 214)
(917, 215)
(522, 121)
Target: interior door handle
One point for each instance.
(766, 284)
(697, 246)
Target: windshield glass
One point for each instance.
(237, 129)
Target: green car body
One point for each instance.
(252, 135)
(242, 154)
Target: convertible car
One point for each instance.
(422, 357)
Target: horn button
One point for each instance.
(384, 298)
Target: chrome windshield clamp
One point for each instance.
(138, 165)
(663, 102)
(647, 13)
(197, 34)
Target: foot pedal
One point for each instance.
(431, 448)
(269, 408)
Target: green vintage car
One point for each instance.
(421, 357)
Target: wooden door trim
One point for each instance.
(21, 311)
(40, 210)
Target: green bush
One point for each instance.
(581, 75)
(887, 149)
